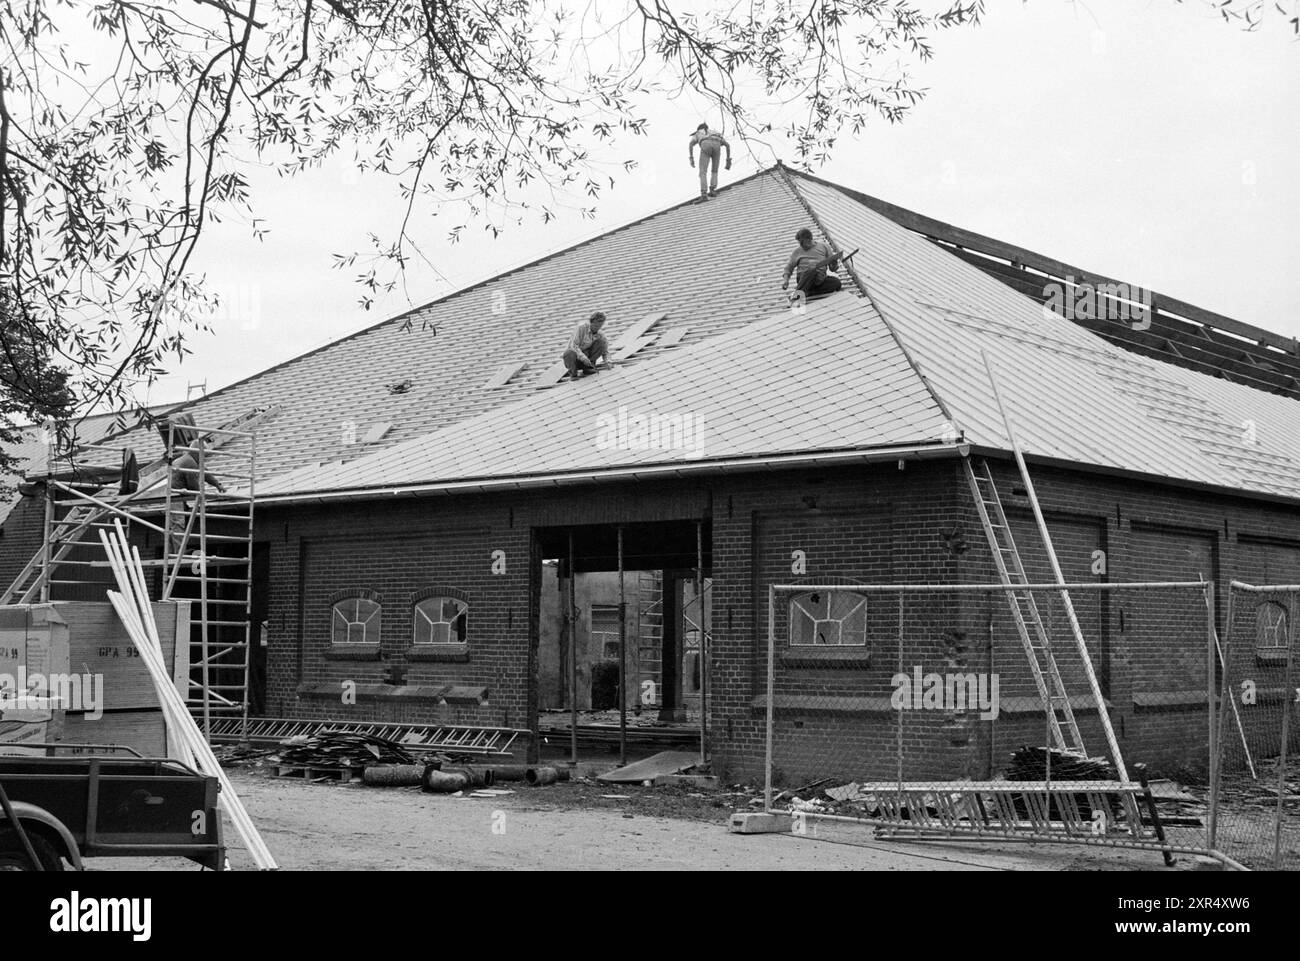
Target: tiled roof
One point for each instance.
(765, 381)
(710, 267)
(830, 378)
(1072, 395)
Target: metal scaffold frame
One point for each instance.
(207, 543)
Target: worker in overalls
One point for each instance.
(186, 477)
(711, 144)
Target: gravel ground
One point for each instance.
(331, 826)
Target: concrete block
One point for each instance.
(759, 822)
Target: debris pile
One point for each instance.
(337, 749)
(1032, 764)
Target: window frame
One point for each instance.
(1272, 653)
(372, 633)
(430, 625)
(864, 646)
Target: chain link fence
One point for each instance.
(918, 710)
(1256, 778)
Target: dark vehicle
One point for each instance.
(105, 805)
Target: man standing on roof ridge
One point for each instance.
(710, 143)
(587, 346)
(810, 259)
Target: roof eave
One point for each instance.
(640, 473)
(1162, 480)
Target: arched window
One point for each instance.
(441, 620)
(831, 618)
(355, 620)
(1271, 634)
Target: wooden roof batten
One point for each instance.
(1261, 345)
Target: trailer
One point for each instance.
(57, 807)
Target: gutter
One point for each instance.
(1159, 480)
(652, 472)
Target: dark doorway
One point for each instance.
(578, 663)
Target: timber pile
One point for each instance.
(185, 741)
(1031, 764)
(339, 749)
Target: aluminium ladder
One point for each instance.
(1033, 633)
(1050, 687)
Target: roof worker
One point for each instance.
(186, 477)
(587, 346)
(810, 259)
(710, 143)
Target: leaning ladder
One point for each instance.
(1033, 633)
(1052, 690)
(1025, 609)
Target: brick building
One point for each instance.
(409, 496)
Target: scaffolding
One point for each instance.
(203, 549)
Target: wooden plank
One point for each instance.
(639, 329)
(504, 373)
(672, 337)
(98, 643)
(553, 374)
(142, 730)
(625, 351)
(1215, 352)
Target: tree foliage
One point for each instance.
(128, 126)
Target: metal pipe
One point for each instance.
(46, 547)
(539, 776)
(1286, 733)
(987, 588)
(1093, 684)
(201, 508)
(771, 700)
(111, 508)
(573, 660)
(1211, 830)
(248, 589)
(701, 651)
(622, 657)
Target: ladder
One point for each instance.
(1034, 636)
(206, 549)
(1050, 688)
(1105, 813)
(463, 738)
(650, 634)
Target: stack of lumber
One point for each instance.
(340, 749)
(1031, 764)
(186, 741)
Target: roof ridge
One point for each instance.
(577, 245)
(785, 174)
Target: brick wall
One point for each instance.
(875, 524)
(20, 537)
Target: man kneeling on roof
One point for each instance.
(811, 259)
(587, 347)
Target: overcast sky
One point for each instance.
(1141, 139)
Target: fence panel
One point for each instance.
(1256, 796)
(915, 709)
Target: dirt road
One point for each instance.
(325, 827)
